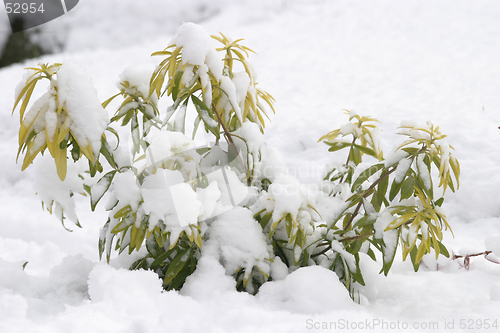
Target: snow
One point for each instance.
(209, 197)
(492, 243)
(233, 191)
(198, 48)
(320, 294)
(402, 169)
(186, 203)
(138, 77)
(126, 190)
(229, 100)
(157, 194)
(286, 194)
(349, 128)
(88, 119)
(389, 59)
(423, 172)
(49, 187)
(241, 82)
(394, 157)
(383, 220)
(247, 246)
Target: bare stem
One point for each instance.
(229, 138)
(367, 193)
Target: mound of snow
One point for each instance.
(308, 290)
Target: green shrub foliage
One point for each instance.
(174, 203)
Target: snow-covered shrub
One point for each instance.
(383, 216)
(231, 201)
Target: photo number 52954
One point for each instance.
(23, 8)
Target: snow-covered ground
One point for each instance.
(393, 60)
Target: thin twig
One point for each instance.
(366, 193)
(232, 145)
(467, 260)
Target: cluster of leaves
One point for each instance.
(209, 90)
(389, 200)
(174, 265)
(47, 124)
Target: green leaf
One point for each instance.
(365, 220)
(355, 246)
(357, 276)
(180, 119)
(180, 278)
(123, 225)
(175, 87)
(205, 113)
(410, 150)
(153, 248)
(355, 155)
(388, 263)
(439, 202)
(375, 203)
(413, 256)
(94, 168)
(106, 152)
(371, 254)
(305, 258)
(137, 235)
(455, 166)
(123, 212)
(106, 102)
(265, 220)
(197, 121)
(126, 119)
(365, 175)
(30, 88)
(102, 240)
(160, 260)
(176, 265)
(289, 224)
(278, 251)
(382, 190)
(407, 188)
(366, 150)
(101, 187)
(442, 249)
(395, 188)
(265, 183)
(334, 146)
(75, 151)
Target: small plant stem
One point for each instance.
(348, 157)
(356, 237)
(367, 193)
(229, 138)
(341, 241)
(485, 253)
(322, 252)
